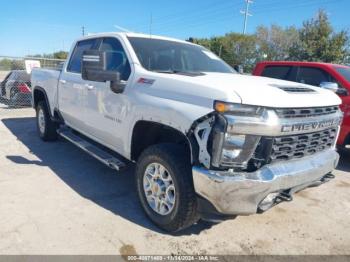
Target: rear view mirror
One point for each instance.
(102, 67)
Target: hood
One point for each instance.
(249, 90)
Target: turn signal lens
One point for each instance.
(237, 109)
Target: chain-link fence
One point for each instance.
(15, 85)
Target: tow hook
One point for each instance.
(285, 196)
(274, 199)
(323, 180)
(327, 178)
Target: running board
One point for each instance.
(98, 153)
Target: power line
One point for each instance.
(246, 14)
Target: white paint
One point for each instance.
(177, 100)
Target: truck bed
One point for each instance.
(47, 79)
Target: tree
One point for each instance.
(274, 43)
(60, 55)
(234, 48)
(319, 41)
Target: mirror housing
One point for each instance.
(330, 86)
(95, 68)
(334, 87)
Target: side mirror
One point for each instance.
(334, 87)
(102, 67)
(330, 86)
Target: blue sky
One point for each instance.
(36, 26)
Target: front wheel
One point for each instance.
(165, 187)
(47, 128)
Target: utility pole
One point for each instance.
(83, 30)
(246, 14)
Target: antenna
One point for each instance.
(83, 30)
(122, 29)
(246, 14)
(150, 25)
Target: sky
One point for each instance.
(37, 26)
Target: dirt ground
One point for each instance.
(55, 199)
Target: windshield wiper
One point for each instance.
(179, 72)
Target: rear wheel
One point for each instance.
(165, 187)
(47, 128)
(13, 92)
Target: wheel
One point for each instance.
(12, 102)
(47, 129)
(165, 187)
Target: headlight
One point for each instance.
(232, 147)
(231, 150)
(238, 109)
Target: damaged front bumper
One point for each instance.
(234, 193)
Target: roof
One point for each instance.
(299, 63)
(131, 34)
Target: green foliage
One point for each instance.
(315, 41)
(235, 49)
(319, 42)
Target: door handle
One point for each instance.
(89, 87)
(63, 81)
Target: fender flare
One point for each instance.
(45, 97)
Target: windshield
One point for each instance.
(173, 57)
(344, 71)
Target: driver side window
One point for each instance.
(119, 61)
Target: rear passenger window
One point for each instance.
(313, 76)
(75, 61)
(279, 72)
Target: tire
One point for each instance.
(47, 128)
(12, 102)
(184, 210)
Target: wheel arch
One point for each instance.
(39, 94)
(147, 133)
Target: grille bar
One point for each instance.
(297, 146)
(306, 112)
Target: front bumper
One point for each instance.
(243, 193)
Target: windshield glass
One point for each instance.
(344, 71)
(174, 57)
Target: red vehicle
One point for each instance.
(330, 76)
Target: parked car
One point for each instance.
(16, 88)
(207, 142)
(330, 76)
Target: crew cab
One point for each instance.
(325, 75)
(207, 142)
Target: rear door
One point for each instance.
(72, 88)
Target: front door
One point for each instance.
(105, 110)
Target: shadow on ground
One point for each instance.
(84, 174)
(344, 163)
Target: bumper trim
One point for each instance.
(241, 193)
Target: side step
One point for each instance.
(98, 153)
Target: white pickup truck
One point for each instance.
(207, 142)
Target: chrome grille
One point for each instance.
(306, 112)
(297, 146)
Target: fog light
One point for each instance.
(230, 155)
